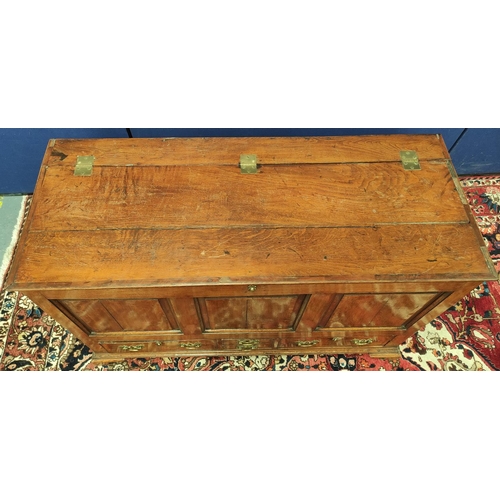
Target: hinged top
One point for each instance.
(177, 211)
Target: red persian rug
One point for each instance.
(464, 338)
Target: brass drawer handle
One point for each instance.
(252, 288)
(247, 345)
(191, 345)
(362, 341)
(132, 348)
(307, 343)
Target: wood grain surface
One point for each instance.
(377, 310)
(214, 196)
(147, 257)
(227, 150)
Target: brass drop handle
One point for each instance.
(252, 288)
(362, 341)
(307, 343)
(191, 345)
(132, 348)
(247, 345)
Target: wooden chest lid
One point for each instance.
(180, 211)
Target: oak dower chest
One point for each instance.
(218, 246)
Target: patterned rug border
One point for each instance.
(481, 180)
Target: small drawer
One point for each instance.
(128, 347)
(360, 339)
(346, 340)
(249, 345)
(305, 344)
(160, 346)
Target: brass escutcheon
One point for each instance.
(252, 288)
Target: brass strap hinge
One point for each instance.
(248, 164)
(409, 160)
(84, 165)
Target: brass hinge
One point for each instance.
(248, 164)
(410, 160)
(84, 165)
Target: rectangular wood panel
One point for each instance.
(138, 315)
(314, 309)
(102, 316)
(224, 313)
(284, 196)
(377, 310)
(139, 257)
(226, 151)
(186, 315)
(272, 312)
(93, 314)
(250, 313)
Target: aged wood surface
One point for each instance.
(202, 197)
(186, 314)
(231, 350)
(256, 316)
(93, 314)
(377, 309)
(237, 290)
(459, 292)
(153, 257)
(252, 313)
(140, 314)
(227, 151)
(168, 249)
(283, 336)
(316, 306)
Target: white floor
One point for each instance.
(11, 216)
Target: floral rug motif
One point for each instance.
(464, 338)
